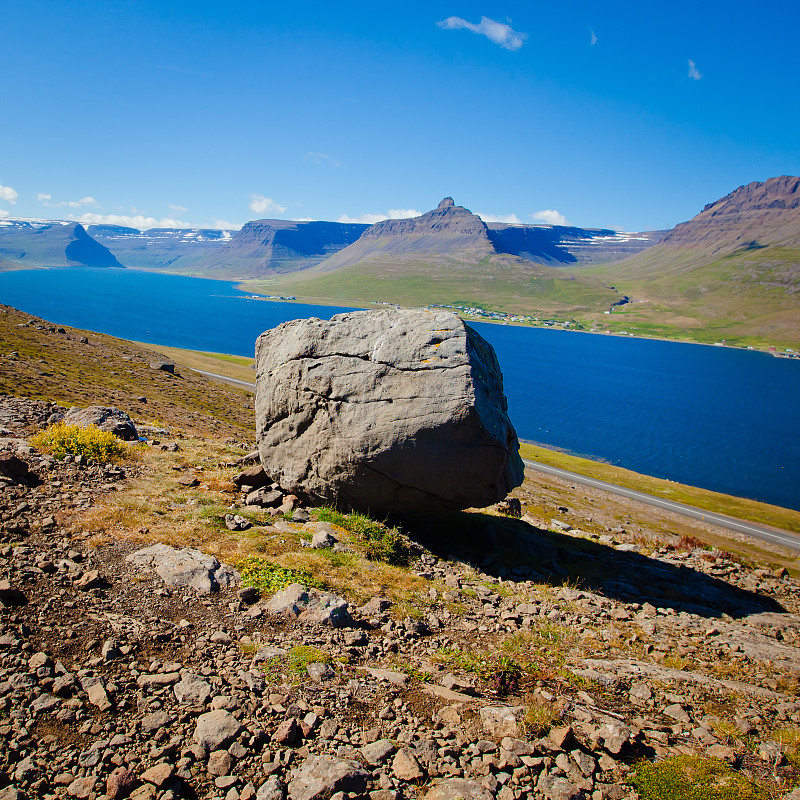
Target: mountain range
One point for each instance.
(732, 272)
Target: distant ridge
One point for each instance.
(46, 243)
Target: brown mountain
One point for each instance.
(732, 272)
(758, 214)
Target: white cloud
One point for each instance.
(223, 224)
(321, 158)
(694, 73)
(8, 194)
(511, 219)
(179, 209)
(550, 217)
(392, 213)
(593, 39)
(497, 32)
(47, 200)
(129, 221)
(4, 213)
(263, 205)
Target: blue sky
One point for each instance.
(624, 115)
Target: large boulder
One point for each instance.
(107, 418)
(385, 411)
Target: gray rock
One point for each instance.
(265, 498)
(310, 605)
(322, 540)
(216, 729)
(272, 789)
(163, 366)
(377, 752)
(319, 777)
(236, 522)
(107, 418)
(385, 411)
(458, 789)
(192, 690)
(186, 567)
(320, 672)
(500, 721)
(554, 788)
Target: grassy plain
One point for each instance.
(495, 283)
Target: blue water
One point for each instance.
(714, 417)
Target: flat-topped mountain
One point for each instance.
(269, 246)
(758, 214)
(171, 249)
(46, 243)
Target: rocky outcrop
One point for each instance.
(107, 418)
(388, 411)
(187, 567)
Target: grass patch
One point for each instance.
(263, 574)
(539, 717)
(62, 439)
(688, 777)
(376, 541)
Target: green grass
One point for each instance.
(715, 502)
(265, 575)
(494, 283)
(693, 778)
(376, 541)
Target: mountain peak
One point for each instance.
(446, 203)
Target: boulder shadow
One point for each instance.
(516, 550)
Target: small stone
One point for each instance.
(120, 783)
(219, 762)
(158, 775)
(287, 733)
(99, 697)
(405, 765)
(377, 752)
(216, 729)
(81, 787)
(272, 789)
(320, 672)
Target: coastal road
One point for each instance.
(783, 538)
(225, 378)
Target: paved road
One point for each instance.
(234, 381)
(783, 538)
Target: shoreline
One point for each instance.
(240, 284)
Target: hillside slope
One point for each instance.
(732, 272)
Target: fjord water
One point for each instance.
(719, 418)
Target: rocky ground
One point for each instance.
(545, 661)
